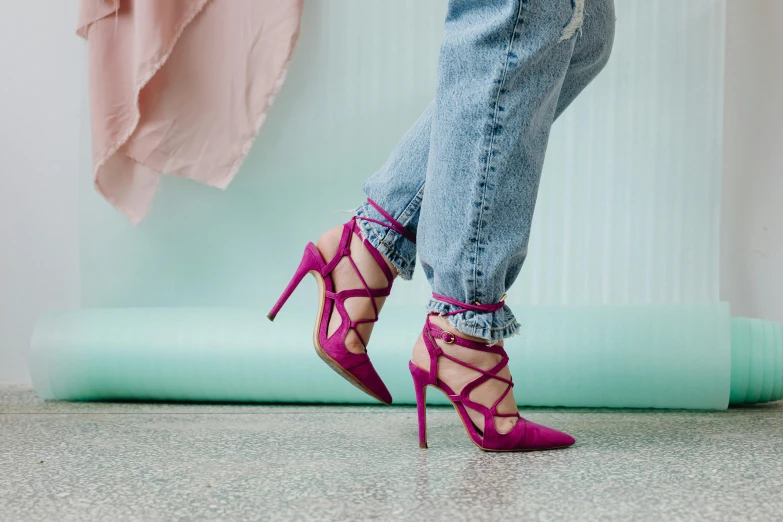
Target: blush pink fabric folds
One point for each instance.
(180, 87)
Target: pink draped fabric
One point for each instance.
(180, 87)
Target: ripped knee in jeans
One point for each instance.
(575, 23)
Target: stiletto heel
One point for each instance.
(420, 379)
(524, 436)
(306, 265)
(356, 368)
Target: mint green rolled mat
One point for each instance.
(756, 361)
(646, 356)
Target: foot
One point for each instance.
(457, 376)
(344, 277)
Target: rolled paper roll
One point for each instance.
(756, 361)
(645, 356)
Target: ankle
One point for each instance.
(421, 356)
(328, 242)
(456, 376)
(392, 268)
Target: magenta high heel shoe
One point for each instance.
(355, 368)
(524, 436)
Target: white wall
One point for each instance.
(40, 96)
(42, 75)
(752, 207)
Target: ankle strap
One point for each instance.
(392, 223)
(436, 332)
(465, 307)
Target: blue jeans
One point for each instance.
(465, 176)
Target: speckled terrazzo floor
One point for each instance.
(139, 461)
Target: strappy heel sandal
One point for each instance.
(524, 436)
(355, 368)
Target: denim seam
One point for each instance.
(488, 160)
(401, 218)
(410, 206)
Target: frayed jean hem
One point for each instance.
(491, 326)
(394, 247)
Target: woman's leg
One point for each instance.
(502, 68)
(507, 69)
(398, 186)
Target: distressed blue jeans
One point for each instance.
(465, 176)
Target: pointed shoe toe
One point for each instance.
(365, 373)
(542, 437)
